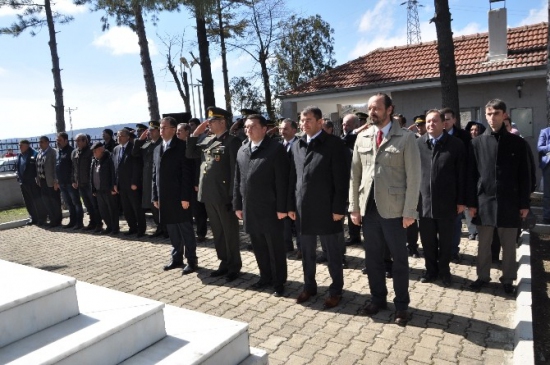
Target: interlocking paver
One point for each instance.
(448, 325)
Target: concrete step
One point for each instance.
(32, 300)
(111, 327)
(198, 338)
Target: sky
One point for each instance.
(103, 79)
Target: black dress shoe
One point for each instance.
(98, 228)
(371, 309)
(447, 281)
(279, 292)
(232, 276)
(89, 227)
(189, 268)
(364, 271)
(78, 226)
(201, 239)
(401, 318)
(30, 223)
(321, 258)
(249, 247)
(130, 232)
(353, 241)
(68, 225)
(106, 231)
(428, 278)
(478, 284)
(173, 265)
(157, 233)
(413, 252)
(508, 289)
(140, 234)
(115, 232)
(389, 274)
(218, 272)
(260, 284)
(54, 224)
(455, 258)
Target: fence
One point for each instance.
(11, 147)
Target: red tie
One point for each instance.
(379, 137)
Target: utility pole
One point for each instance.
(198, 86)
(70, 111)
(413, 22)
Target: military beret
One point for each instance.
(419, 119)
(97, 145)
(213, 112)
(154, 124)
(361, 115)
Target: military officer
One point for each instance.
(218, 154)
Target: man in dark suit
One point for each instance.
(25, 169)
(47, 180)
(318, 189)
(102, 182)
(218, 155)
(129, 184)
(82, 159)
(543, 146)
(442, 190)
(498, 192)
(172, 195)
(260, 199)
(144, 146)
(349, 124)
(454, 130)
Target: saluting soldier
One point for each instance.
(218, 154)
(144, 146)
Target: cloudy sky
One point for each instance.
(102, 76)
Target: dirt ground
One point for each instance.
(540, 286)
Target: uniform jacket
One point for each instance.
(393, 170)
(543, 146)
(218, 159)
(443, 176)
(173, 182)
(49, 165)
(28, 175)
(261, 186)
(319, 181)
(82, 159)
(129, 169)
(498, 179)
(145, 150)
(107, 175)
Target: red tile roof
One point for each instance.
(384, 66)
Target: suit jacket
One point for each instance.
(82, 159)
(49, 165)
(498, 179)
(107, 174)
(261, 186)
(443, 176)
(218, 159)
(392, 170)
(463, 135)
(543, 146)
(28, 175)
(173, 176)
(144, 150)
(318, 183)
(128, 169)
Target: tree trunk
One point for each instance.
(227, 94)
(148, 75)
(204, 62)
(446, 51)
(56, 71)
(176, 78)
(186, 88)
(267, 88)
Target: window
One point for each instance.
(523, 118)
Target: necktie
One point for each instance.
(254, 148)
(121, 154)
(379, 137)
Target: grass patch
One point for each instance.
(13, 214)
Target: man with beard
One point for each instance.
(384, 189)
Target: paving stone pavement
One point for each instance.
(447, 326)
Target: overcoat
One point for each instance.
(319, 182)
(498, 179)
(173, 176)
(443, 176)
(261, 186)
(145, 150)
(128, 169)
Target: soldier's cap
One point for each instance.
(97, 145)
(213, 112)
(419, 119)
(154, 124)
(130, 130)
(246, 112)
(361, 115)
(140, 126)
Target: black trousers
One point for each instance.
(437, 241)
(133, 212)
(289, 227)
(199, 213)
(183, 242)
(270, 252)
(354, 231)
(333, 244)
(51, 199)
(33, 202)
(90, 203)
(412, 235)
(225, 228)
(108, 210)
(381, 232)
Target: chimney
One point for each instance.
(498, 46)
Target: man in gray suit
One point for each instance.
(384, 189)
(218, 154)
(47, 180)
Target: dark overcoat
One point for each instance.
(498, 178)
(319, 183)
(443, 176)
(261, 186)
(107, 175)
(173, 176)
(129, 169)
(145, 150)
(29, 174)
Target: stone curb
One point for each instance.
(23, 222)
(524, 353)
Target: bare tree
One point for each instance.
(179, 75)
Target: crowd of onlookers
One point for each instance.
(393, 182)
